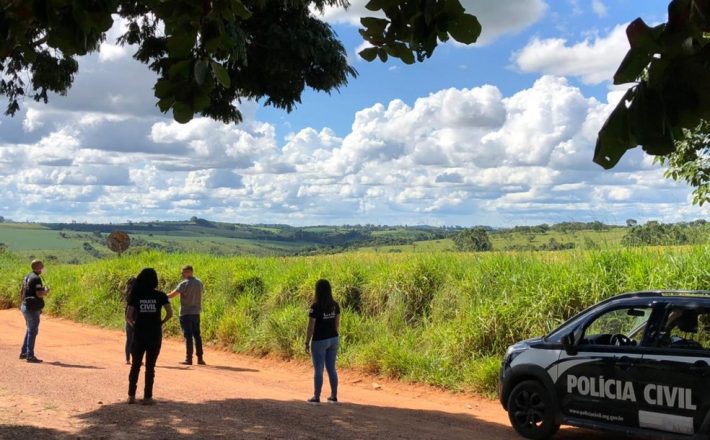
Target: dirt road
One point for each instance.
(80, 390)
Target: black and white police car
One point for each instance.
(637, 363)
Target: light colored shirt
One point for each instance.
(191, 290)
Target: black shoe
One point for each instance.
(34, 360)
(332, 399)
(23, 356)
(200, 361)
(149, 401)
(313, 401)
(186, 362)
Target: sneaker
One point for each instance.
(313, 401)
(201, 361)
(186, 362)
(131, 400)
(149, 401)
(23, 356)
(332, 399)
(34, 360)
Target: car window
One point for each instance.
(685, 329)
(624, 326)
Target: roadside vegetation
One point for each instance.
(441, 318)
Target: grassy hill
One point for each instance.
(78, 243)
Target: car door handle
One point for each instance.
(625, 362)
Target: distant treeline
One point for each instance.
(654, 233)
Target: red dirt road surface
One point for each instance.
(79, 392)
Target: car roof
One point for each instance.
(672, 296)
(644, 298)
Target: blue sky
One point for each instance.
(498, 133)
(462, 67)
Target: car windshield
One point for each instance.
(619, 326)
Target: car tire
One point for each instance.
(531, 410)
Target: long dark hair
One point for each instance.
(324, 296)
(146, 281)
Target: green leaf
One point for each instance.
(377, 5)
(640, 35)
(454, 8)
(241, 10)
(181, 69)
(200, 71)
(163, 89)
(221, 74)
(465, 29)
(81, 16)
(182, 112)
(369, 54)
(102, 22)
(648, 122)
(201, 102)
(180, 45)
(632, 66)
(614, 138)
(382, 53)
(407, 56)
(165, 104)
(375, 26)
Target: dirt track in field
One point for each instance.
(80, 390)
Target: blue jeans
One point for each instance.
(324, 353)
(32, 323)
(191, 330)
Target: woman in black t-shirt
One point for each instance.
(322, 340)
(144, 313)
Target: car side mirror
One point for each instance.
(569, 345)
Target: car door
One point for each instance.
(596, 384)
(675, 373)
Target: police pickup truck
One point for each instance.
(637, 363)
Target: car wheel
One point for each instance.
(531, 410)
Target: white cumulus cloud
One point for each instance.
(593, 60)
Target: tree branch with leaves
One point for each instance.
(210, 54)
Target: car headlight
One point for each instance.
(510, 354)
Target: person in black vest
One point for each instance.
(33, 293)
(322, 340)
(144, 313)
(129, 328)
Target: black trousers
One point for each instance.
(151, 349)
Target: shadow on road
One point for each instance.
(210, 367)
(232, 369)
(64, 365)
(273, 419)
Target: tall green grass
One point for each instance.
(442, 318)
